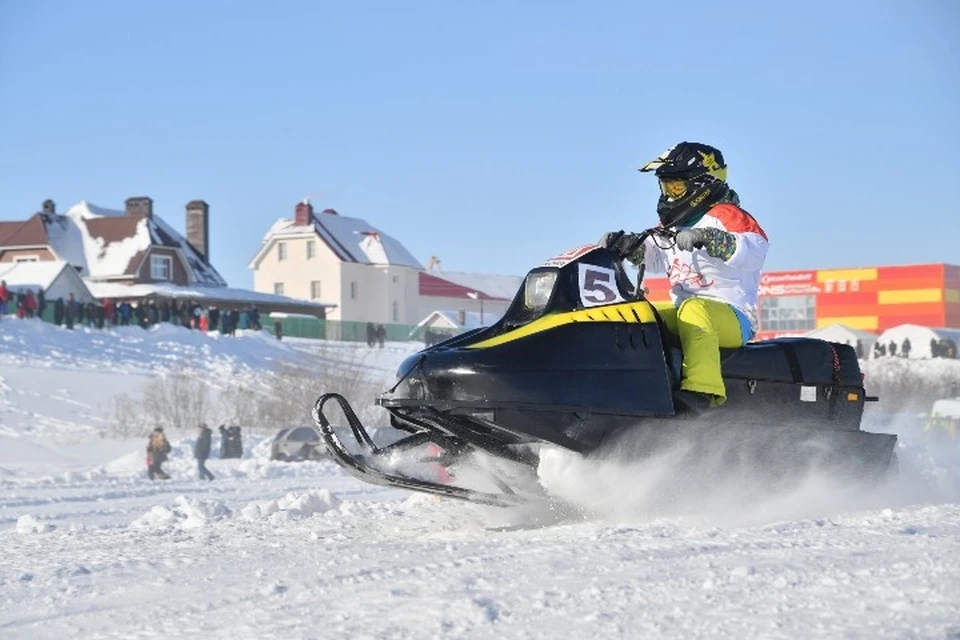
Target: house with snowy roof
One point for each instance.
(56, 278)
(368, 273)
(134, 254)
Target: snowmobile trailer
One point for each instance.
(581, 357)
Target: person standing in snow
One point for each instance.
(158, 449)
(201, 451)
(713, 266)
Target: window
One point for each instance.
(303, 434)
(311, 249)
(396, 311)
(353, 290)
(315, 290)
(161, 267)
(396, 279)
(26, 259)
(281, 251)
(788, 313)
(278, 288)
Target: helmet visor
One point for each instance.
(672, 188)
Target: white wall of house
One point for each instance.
(299, 266)
(69, 281)
(378, 293)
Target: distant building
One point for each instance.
(134, 254)
(55, 278)
(367, 273)
(870, 299)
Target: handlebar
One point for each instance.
(668, 236)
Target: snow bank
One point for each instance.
(27, 524)
(293, 506)
(161, 348)
(187, 513)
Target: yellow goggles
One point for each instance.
(673, 189)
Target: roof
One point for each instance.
(106, 243)
(24, 233)
(31, 275)
(918, 331)
(468, 286)
(450, 318)
(165, 290)
(494, 287)
(835, 332)
(350, 239)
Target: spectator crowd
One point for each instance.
(942, 348)
(106, 313)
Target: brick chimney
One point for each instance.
(49, 207)
(198, 228)
(141, 206)
(303, 213)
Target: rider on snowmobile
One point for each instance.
(713, 266)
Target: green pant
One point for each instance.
(704, 326)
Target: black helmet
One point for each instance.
(693, 178)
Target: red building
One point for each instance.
(871, 298)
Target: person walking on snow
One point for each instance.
(158, 448)
(201, 451)
(713, 266)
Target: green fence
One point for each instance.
(346, 331)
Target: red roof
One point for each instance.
(26, 233)
(431, 285)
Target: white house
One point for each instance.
(367, 273)
(55, 278)
(131, 254)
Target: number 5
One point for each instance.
(597, 286)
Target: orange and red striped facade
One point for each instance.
(871, 298)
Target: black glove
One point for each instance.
(625, 245)
(690, 239)
(610, 238)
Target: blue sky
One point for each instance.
(492, 134)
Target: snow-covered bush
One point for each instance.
(174, 401)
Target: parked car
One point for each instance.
(297, 443)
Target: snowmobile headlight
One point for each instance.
(537, 290)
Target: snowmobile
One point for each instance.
(581, 358)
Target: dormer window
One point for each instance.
(161, 268)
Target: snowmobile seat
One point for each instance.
(796, 360)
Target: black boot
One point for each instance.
(693, 401)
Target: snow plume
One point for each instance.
(929, 461)
(710, 475)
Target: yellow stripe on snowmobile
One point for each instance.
(637, 311)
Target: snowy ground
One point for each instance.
(89, 548)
